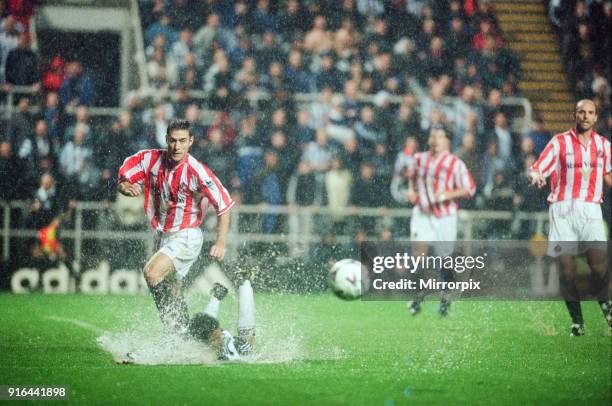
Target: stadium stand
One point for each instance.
(311, 93)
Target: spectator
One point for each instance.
(181, 48)
(499, 195)
(218, 83)
(351, 157)
(37, 148)
(318, 39)
(263, 19)
(433, 103)
(11, 169)
(77, 87)
(407, 124)
(365, 193)
(204, 37)
(338, 181)
(403, 162)
(292, 20)
(159, 124)
(301, 192)
(77, 166)
(320, 110)
(491, 165)
(503, 137)
(317, 156)
(163, 27)
(21, 124)
(539, 135)
(368, 134)
(10, 31)
(299, 78)
(457, 42)
(162, 69)
(274, 81)
(181, 14)
(304, 132)
(267, 187)
(467, 115)
(52, 115)
(286, 158)
(22, 68)
(468, 153)
(220, 157)
(54, 76)
(49, 202)
(339, 126)
(249, 155)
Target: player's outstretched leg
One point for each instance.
(246, 316)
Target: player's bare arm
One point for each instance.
(442, 196)
(608, 179)
(217, 251)
(127, 189)
(411, 195)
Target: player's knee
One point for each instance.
(152, 275)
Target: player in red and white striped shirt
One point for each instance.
(177, 192)
(437, 180)
(578, 162)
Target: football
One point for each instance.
(345, 279)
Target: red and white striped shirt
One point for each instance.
(443, 173)
(175, 197)
(576, 171)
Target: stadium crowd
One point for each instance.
(585, 37)
(340, 146)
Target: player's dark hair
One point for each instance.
(202, 325)
(447, 133)
(179, 125)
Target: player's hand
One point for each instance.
(129, 190)
(217, 251)
(411, 196)
(440, 197)
(537, 179)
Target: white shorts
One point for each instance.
(183, 247)
(427, 227)
(575, 226)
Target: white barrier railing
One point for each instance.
(296, 235)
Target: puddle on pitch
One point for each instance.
(147, 347)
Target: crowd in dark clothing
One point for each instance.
(584, 30)
(377, 73)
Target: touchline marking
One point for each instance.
(76, 322)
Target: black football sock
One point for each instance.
(172, 308)
(446, 275)
(178, 313)
(575, 311)
(600, 286)
(162, 294)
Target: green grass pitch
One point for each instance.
(370, 353)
